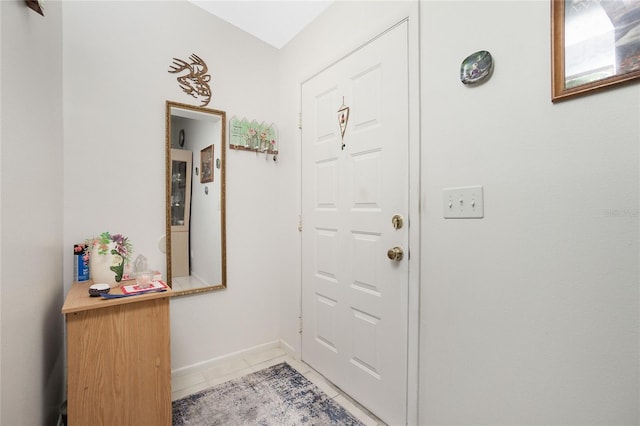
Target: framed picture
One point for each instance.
(595, 44)
(206, 164)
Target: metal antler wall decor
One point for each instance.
(195, 81)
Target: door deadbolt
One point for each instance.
(397, 221)
(395, 253)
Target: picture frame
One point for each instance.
(593, 46)
(206, 164)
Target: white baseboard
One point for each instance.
(290, 350)
(231, 356)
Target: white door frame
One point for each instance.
(413, 303)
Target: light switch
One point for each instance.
(465, 202)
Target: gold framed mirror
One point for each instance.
(195, 206)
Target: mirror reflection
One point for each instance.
(195, 198)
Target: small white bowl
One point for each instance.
(98, 289)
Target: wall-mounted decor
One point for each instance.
(594, 45)
(476, 68)
(206, 164)
(35, 5)
(343, 119)
(251, 136)
(194, 81)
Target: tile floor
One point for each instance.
(186, 383)
(186, 283)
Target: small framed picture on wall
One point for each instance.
(206, 164)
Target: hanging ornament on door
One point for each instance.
(343, 119)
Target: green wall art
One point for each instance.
(251, 136)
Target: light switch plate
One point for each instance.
(466, 202)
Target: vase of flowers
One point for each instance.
(108, 254)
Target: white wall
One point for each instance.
(530, 315)
(116, 82)
(31, 196)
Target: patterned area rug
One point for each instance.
(275, 396)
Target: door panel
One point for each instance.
(354, 298)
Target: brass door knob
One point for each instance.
(395, 253)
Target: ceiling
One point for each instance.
(274, 21)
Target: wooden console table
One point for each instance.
(118, 358)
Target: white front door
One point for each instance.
(354, 297)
